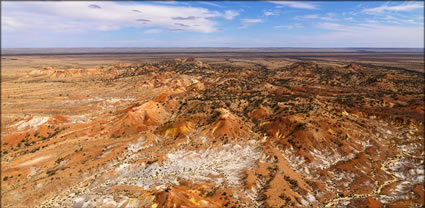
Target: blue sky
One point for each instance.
(212, 24)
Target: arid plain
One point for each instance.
(212, 128)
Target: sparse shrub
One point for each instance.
(51, 172)
(59, 160)
(411, 102)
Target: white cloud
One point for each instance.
(268, 13)
(388, 17)
(310, 16)
(247, 22)
(372, 21)
(327, 17)
(409, 6)
(230, 14)
(271, 13)
(107, 27)
(408, 21)
(211, 4)
(349, 19)
(340, 27)
(367, 35)
(295, 4)
(75, 17)
(289, 27)
(10, 24)
(401, 20)
(151, 31)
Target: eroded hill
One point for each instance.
(192, 134)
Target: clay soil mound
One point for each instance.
(140, 118)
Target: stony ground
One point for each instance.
(213, 134)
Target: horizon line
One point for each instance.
(218, 48)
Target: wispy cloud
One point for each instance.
(184, 18)
(289, 27)
(103, 16)
(372, 21)
(271, 13)
(230, 14)
(409, 6)
(211, 4)
(341, 27)
(152, 31)
(182, 25)
(327, 17)
(142, 20)
(10, 24)
(309, 16)
(94, 6)
(405, 22)
(247, 22)
(371, 35)
(296, 4)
